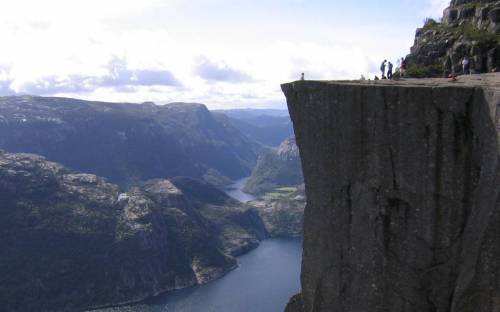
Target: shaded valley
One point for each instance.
(127, 143)
(268, 127)
(126, 202)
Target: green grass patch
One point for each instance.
(288, 189)
(467, 30)
(423, 71)
(280, 192)
(473, 33)
(430, 23)
(273, 195)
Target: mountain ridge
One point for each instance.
(124, 142)
(267, 127)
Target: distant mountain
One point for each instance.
(127, 143)
(276, 168)
(243, 113)
(71, 241)
(266, 126)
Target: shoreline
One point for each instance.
(241, 253)
(144, 299)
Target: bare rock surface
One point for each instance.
(402, 182)
(469, 28)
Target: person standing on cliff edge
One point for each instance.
(302, 76)
(466, 66)
(389, 70)
(402, 68)
(382, 68)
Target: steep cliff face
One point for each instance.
(402, 182)
(70, 241)
(469, 28)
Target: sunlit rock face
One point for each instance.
(402, 182)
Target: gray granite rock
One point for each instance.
(468, 29)
(402, 183)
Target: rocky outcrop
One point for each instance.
(470, 28)
(127, 143)
(483, 14)
(284, 216)
(72, 241)
(403, 206)
(276, 168)
(238, 228)
(288, 150)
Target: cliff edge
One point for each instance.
(402, 182)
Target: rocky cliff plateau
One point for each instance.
(402, 182)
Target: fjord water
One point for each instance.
(264, 281)
(266, 278)
(236, 191)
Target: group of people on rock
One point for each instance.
(387, 69)
(389, 74)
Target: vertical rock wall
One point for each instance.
(403, 206)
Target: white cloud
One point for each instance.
(436, 8)
(118, 76)
(159, 52)
(212, 71)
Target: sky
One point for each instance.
(223, 53)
